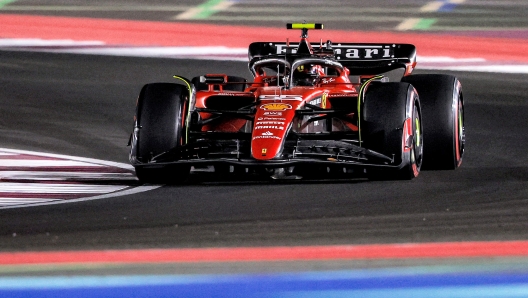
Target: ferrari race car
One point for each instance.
(311, 108)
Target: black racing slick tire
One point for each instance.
(160, 121)
(392, 126)
(443, 118)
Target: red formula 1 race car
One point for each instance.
(310, 108)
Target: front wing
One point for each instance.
(235, 149)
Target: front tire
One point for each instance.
(159, 127)
(392, 125)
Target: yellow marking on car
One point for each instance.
(418, 131)
(361, 98)
(188, 119)
(304, 26)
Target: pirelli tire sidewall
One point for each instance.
(443, 119)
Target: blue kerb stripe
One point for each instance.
(350, 283)
(234, 292)
(509, 291)
(302, 280)
(447, 7)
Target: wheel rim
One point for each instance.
(417, 150)
(461, 132)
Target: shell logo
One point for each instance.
(276, 106)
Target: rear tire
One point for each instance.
(160, 121)
(389, 110)
(443, 113)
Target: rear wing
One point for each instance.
(359, 58)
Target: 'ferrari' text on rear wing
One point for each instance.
(357, 57)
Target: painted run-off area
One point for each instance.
(181, 34)
(29, 179)
(260, 254)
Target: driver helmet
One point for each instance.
(306, 75)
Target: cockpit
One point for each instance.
(302, 72)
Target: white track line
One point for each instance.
(52, 188)
(43, 163)
(14, 201)
(64, 175)
(37, 187)
(76, 158)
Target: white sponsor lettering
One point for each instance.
(269, 127)
(365, 52)
(273, 114)
(267, 137)
(369, 52)
(271, 118)
(281, 49)
(356, 51)
(281, 97)
(315, 101)
(270, 123)
(352, 53)
(343, 95)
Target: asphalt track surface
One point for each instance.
(83, 105)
